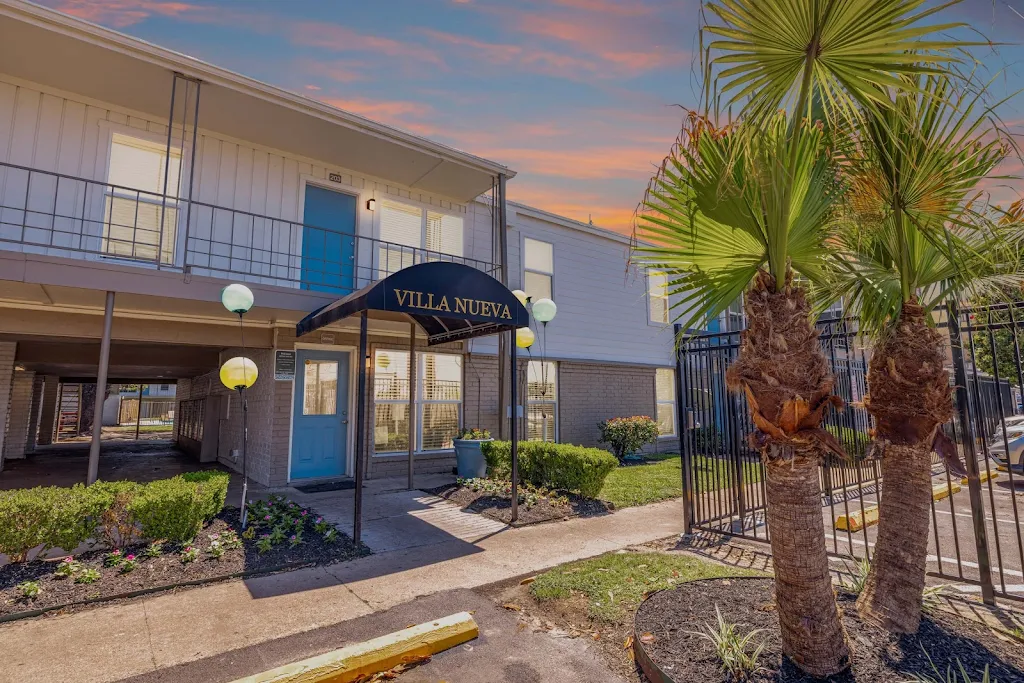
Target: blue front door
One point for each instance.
(320, 420)
(328, 240)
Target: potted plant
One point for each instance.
(469, 458)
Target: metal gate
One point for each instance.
(975, 537)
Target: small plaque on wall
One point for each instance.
(334, 177)
(284, 366)
(326, 337)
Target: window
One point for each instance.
(657, 296)
(542, 401)
(139, 222)
(665, 395)
(408, 230)
(320, 381)
(538, 268)
(438, 400)
(733, 319)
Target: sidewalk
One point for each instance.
(118, 641)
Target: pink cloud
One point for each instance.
(399, 113)
(342, 71)
(343, 39)
(605, 211)
(123, 13)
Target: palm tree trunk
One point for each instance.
(788, 384)
(812, 633)
(910, 398)
(893, 592)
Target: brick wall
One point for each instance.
(7, 350)
(19, 415)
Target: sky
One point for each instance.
(581, 97)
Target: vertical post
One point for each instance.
(515, 432)
(412, 400)
(191, 172)
(357, 515)
(245, 460)
(138, 414)
(167, 173)
(502, 237)
(101, 390)
(973, 482)
(683, 432)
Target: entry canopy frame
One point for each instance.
(449, 301)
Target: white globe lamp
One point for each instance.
(544, 310)
(237, 298)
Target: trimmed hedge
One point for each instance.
(119, 512)
(552, 465)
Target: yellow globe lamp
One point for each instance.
(524, 337)
(521, 295)
(238, 373)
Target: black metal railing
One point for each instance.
(976, 534)
(55, 214)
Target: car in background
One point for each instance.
(1013, 428)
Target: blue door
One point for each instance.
(328, 240)
(320, 420)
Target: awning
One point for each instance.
(449, 301)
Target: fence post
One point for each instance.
(682, 424)
(973, 481)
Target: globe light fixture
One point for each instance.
(544, 310)
(521, 295)
(236, 298)
(238, 373)
(524, 337)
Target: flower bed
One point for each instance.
(493, 498)
(281, 535)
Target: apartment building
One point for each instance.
(132, 201)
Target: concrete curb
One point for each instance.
(355, 662)
(856, 521)
(945, 490)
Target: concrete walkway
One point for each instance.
(120, 641)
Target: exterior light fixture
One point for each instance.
(544, 310)
(524, 337)
(371, 204)
(238, 373)
(237, 298)
(523, 297)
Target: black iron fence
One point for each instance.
(976, 537)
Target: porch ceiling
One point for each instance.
(51, 48)
(77, 360)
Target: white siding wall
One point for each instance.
(60, 132)
(602, 305)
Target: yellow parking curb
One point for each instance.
(985, 476)
(855, 521)
(373, 656)
(944, 490)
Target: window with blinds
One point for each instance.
(409, 230)
(665, 395)
(542, 401)
(437, 400)
(657, 296)
(139, 222)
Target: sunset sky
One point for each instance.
(578, 96)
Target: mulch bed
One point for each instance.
(499, 507)
(671, 617)
(167, 569)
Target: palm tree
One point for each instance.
(750, 209)
(920, 234)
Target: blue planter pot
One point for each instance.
(469, 459)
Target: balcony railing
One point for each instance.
(54, 214)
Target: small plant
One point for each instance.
(932, 596)
(249, 533)
(189, 555)
(154, 549)
(29, 590)
(859, 578)
(295, 539)
(278, 535)
(68, 567)
(960, 675)
(129, 564)
(331, 535)
(732, 648)
(627, 435)
(321, 525)
(90, 575)
(216, 550)
(264, 545)
(230, 540)
(473, 434)
(113, 559)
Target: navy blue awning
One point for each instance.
(449, 301)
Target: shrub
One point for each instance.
(552, 465)
(708, 440)
(50, 516)
(738, 663)
(117, 519)
(627, 435)
(90, 575)
(175, 508)
(855, 443)
(29, 590)
(473, 434)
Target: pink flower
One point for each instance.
(130, 558)
(267, 518)
(69, 558)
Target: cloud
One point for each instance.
(604, 210)
(398, 113)
(526, 58)
(340, 71)
(343, 39)
(122, 13)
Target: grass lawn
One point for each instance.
(662, 479)
(615, 584)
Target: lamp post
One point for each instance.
(240, 373)
(544, 311)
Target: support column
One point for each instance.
(101, 391)
(19, 415)
(7, 350)
(364, 359)
(48, 410)
(33, 416)
(412, 401)
(514, 428)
